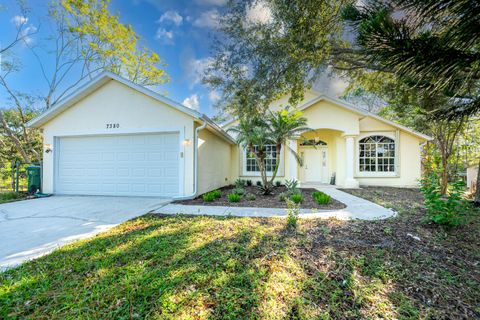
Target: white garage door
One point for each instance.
(126, 165)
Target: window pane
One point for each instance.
(377, 153)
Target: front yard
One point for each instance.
(180, 267)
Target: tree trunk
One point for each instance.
(477, 192)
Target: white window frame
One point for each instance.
(377, 174)
(245, 173)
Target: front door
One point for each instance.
(314, 167)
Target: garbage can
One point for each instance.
(34, 179)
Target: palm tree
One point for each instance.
(275, 128)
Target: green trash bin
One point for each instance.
(34, 179)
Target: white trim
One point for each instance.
(377, 174)
(245, 173)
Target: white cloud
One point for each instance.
(192, 102)
(212, 2)
(208, 19)
(164, 36)
(259, 12)
(330, 84)
(214, 96)
(19, 20)
(195, 69)
(171, 16)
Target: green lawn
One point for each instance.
(243, 268)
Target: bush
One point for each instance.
(447, 209)
(259, 183)
(208, 197)
(240, 183)
(233, 197)
(217, 193)
(292, 214)
(238, 190)
(292, 186)
(278, 183)
(250, 196)
(296, 197)
(282, 197)
(321, 197)
(249, 183)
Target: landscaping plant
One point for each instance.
(209, 197)
(249, 183)
(447, 210)
(217, 193)
(250, 197)
(292, 186)
(240, 183)
(233, 197)
(292, 214)
(278, 183)
(321, 197)
(296, 197)
(239, 190)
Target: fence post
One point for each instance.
(12, 174)
(17, 167)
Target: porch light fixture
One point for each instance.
(186, 142)
(48, 148)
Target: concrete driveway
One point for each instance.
(32, 228)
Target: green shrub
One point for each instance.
(233, 197)
(240, 183)
(249, 183)
(259, 183)
(217, 193)
(208, 197)
(250, 197)
(292, 214)
(238, 190)
(321, 197)
(296, 197)
(292, 186)
(282, 197)
(447, 209)
(278, 183)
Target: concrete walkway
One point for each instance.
(357, 208)
(32, 228)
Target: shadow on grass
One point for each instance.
(170, 267)
(180, 267)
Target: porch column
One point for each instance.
(350, 181)
(292, 161)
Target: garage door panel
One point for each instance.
(136, 165)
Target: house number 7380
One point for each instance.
(113, 125)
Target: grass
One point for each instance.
(11, 196)
(180, 267)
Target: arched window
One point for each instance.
(377, 154)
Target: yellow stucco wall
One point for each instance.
(326, 115)
(134, 111)
(214, 162)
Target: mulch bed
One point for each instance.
(265, 201)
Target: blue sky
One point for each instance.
(180, 31)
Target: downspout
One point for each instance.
(195, 164)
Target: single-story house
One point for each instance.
(114, 137)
